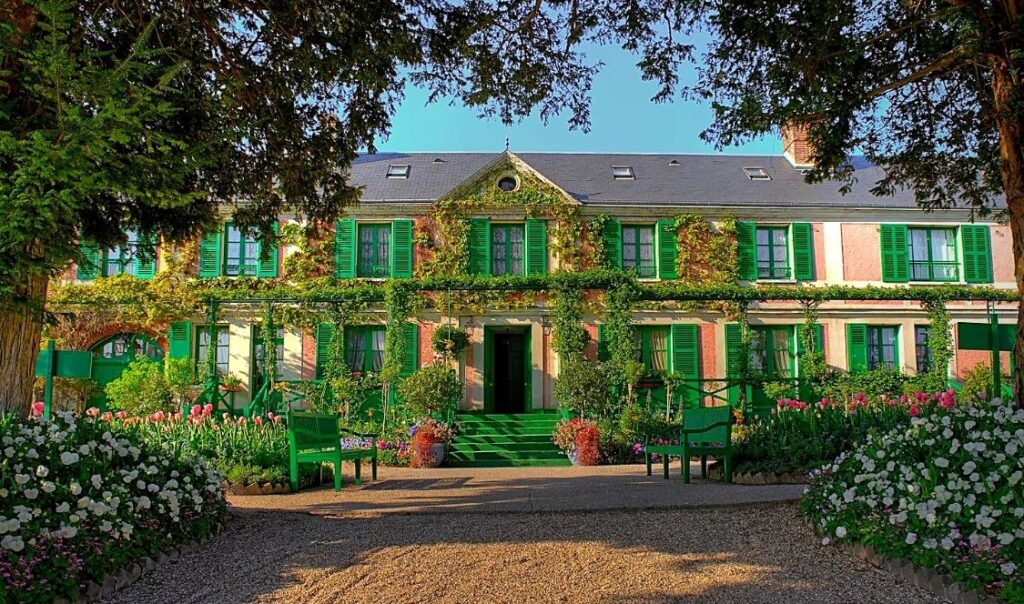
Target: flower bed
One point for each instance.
(944, 491)
(79, 501)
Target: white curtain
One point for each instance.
(378, 349)
(780, 351)
(659, 351)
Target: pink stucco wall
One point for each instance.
(861, 252)
(591, 350)
(708, 360)
(1002, 253)
(308, 370)
(425, 346)
(818, 237)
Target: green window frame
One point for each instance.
(933, 254)
(120, 260)
(241, 253)
(922, 351)
(223, 351)
(364, 348)
(773, 351)
(374, 250)
(257, 352)
(883, 347)
(654, 348)
(772, 252)
(638, 250)
(508, 249)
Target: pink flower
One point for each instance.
(196, 410)
(914, 411)
(241, 421)
(92, 411)
(278, 419)
(37, 408)
(226, 416)
(257, 421)
(158, 416)
(121, 415)
(107, 416)
(207, 409)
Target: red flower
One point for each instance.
(914, 411)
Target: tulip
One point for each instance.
(37, 409)
(914, 411)
(196, 410)
(92, 411)
(257, 421)
(207, 409)
(121, 415)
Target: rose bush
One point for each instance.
(944, 491)
(79, 499)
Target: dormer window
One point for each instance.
(623, 173)
(757, 173)
(398, 171)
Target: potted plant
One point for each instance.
(578, 439)
(430, 439)
(449, 340)
(231, 383)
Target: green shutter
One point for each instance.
(479, 246)
(536, 247)
(686, 359)
(210, 250)
(803, 251)
(410, 348)
(345, 248)
(857, 347)
(145, 260)
(90, 262)
(977, 253)
(401, 248)
(746, 250)
(611, 236)
(603, 354)
(733, 359)
(488, 370)
(324, 335)
(895, 259)
(267, 268)
(819, 341)
(179, 340)
(667, 250)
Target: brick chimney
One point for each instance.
(795, 146)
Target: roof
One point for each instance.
(661, 180)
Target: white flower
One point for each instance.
(1009, 568)
(911, 538)
(63, 508)
(31, 493)
(22, 479)
(840, 531)
(67, 458)
(15, 544)
(941, 462)
(42, 471)
(75, 488)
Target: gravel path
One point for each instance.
(751, 554)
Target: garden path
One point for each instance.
(500, 537)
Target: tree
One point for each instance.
(929, 90)
(153, 115)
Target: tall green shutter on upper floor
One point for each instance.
(324, 335)
(803, 251)
(746, 250)
(179, 340)
(210, 250)
(977, 253)
(89, 265)
(479, 246)
(145, 256)
(410, 348)
(345, 248)
(611, 237)
(685, 346)
(267, 267)
(667, 249)
(857, 347)
(401, 248)
(895, 257)
(536, 246)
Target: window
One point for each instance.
(120, 259)
(242, 253)
(773, 253)
(374, 250)
(882, 343)
(508, 183)
(221, 352)
(757, 173)
(638, 250)
(507, 249)
(771, 351)
(128, 346)
(923, 351)
(364, 348)
(398, 171)
(653, 349)
(259, 357)
(933, 254)
(623, 173)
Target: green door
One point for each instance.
(112, 356)
(507, 380)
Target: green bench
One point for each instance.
(317, 438)
(706, 431)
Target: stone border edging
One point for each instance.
(923, 577)
(123, 577)
(280, 487)
(759, 478)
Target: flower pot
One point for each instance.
(574, 459)
(428, 456)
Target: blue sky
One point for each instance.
(623, 119)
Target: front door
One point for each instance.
(509, 372)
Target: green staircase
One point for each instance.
(492, 440)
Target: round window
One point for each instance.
(508, 183)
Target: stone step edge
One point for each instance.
(123, 577)
(943, 586)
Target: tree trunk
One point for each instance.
(1011, 151)
(20, 330)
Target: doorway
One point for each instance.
(507, 370)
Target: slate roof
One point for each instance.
(693, 180)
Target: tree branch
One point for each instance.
(943, 63)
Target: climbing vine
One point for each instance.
(620, 334)
(569, 338)
(707, 253)
(940, 341)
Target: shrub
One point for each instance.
(943, 492)
(141, 389)
(81, 501)
(978, 383)
(430, 390)
(181, 381)
(580, 438)
(583, 387)
(449, 340)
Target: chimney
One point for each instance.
(795, 146)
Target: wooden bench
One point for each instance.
(317, 438)
(706, 431)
